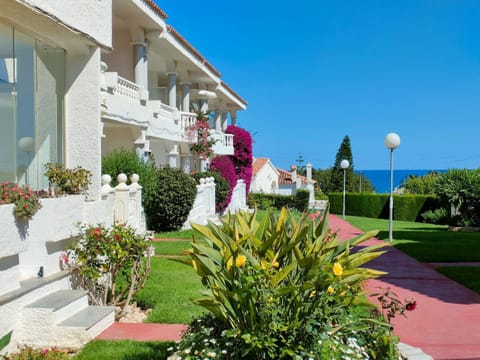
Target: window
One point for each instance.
(31, 107)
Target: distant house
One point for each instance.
(265, 177)
(289, 182)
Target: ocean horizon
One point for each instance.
(380, 179)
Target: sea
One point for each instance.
(381, 178)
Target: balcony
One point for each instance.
(126, 102)
(223, 143)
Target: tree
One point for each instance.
(300, 167)
(336, 181)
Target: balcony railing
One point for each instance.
(223, 143)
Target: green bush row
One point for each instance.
(405, 207)
(262, 201)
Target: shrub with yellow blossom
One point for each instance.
(278, 288)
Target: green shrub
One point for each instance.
(461, 189)
(222, 188)
(301, 200)
(127, 162)
(438, 216)
(281, 288)
(172, 200)
(406, 207)
(266, 201)
(29, 353)
(67, 181)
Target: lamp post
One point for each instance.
(344, 164)
(392, 141)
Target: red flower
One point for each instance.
(411, 305)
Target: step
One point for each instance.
(89, 317)
(61, 303)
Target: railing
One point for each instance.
(228, 140)
(127, 88)
(187, 120)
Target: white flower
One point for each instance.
(224, 351)
(213, 341)
(212, 354)
(187, 351)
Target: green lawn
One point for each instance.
(169, 290)
(467, 276)
(180, 234)
(425, 242)
(124, 350)
(171, 247)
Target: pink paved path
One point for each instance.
(143, 332)
(446, 321)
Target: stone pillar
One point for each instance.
(186, 96)
(172, 89)
(204, 165)
(218, 121)
(173, 157)
(309, 173)
(224, 122)
(233, 117)
(141, 65)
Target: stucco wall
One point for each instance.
(121, 59)
(262, 182)
(82, 114)
(91, 17)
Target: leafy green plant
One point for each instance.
(67, 181)
(5, 340)
(171, 201)
(26, 201)
(113, 263)
(279, 287)
(201, 130)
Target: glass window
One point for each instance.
(32, 80)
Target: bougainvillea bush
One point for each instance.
(223, 164)
(201, 131)
(242, 157)
(281, 288)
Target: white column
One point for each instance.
(173, 156)
(141, 65)
(218, 121)
(309, 173)
(233, 116)
(172, 89)
(224, 122)
(186, 96)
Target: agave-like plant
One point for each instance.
(247, 263)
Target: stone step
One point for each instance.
(61, 303)
(88, 317)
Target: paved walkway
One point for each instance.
(445, 323)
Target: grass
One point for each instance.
(425, 242)
(180, 234)
(467, 276)
(171, 247)
(169, 290)
(124, 350)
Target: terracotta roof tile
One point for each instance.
(156, 8)
(258, 164)
(285, 178)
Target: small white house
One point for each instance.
(265, 177)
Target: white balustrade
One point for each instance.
(204, 205)
(239, 198)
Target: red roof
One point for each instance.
(285, 178)
(258, 164)
(156, 8)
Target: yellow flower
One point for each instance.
(240, 261)
(275, 264)
(230, 263)
(337, 269)
(330, 290)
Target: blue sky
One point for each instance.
(315, 71)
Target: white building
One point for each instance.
(79, 78)
(265, 177)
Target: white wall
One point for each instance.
(91, 17)
(82, 115)
(262, 182)
(121, 59)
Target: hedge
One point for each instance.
(266, 201)
(405, 207)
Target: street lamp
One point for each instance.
(392, 141)
(344, 164)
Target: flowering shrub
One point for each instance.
(224, 165)
(283, 288)
(391, 305)
(113, 263)
(26, 201)
(201, 128)
(242, 157)
(29, 353)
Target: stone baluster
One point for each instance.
(122, 197)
